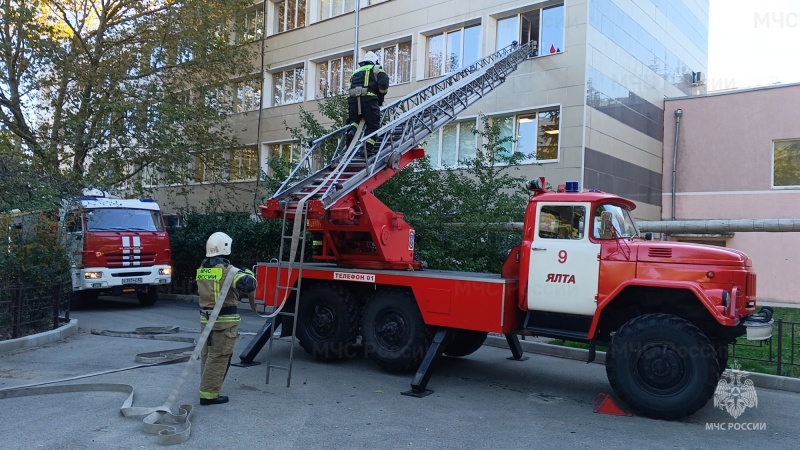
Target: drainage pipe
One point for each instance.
(678, 114)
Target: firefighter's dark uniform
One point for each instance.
(216, 354)
(368, 87)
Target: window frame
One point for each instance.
(295, 90)
(235, 160)
(282, 24)
(540, 11)
(331, 5)
(240, 105)
(444, 36)
(380, 50)
(251, 17)
(775, 144)
(345, 71)
(460, 130)
(516, 130)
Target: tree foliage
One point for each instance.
(96, 92)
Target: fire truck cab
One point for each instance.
(115, 246)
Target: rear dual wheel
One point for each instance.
(395, 335)
(328, 318)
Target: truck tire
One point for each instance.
(395, 335)
(327, 323)
(465, 342)
(148, 298)
(82, 299)
(721, 350)
(662, 366)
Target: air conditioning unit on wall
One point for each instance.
(698, 79)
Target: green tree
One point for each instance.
(97, 92)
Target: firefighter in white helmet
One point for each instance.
(216, 355)
(368, 87)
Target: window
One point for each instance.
(613, 221)
(207, 167)
(158, 58)
(333, 76)
(288, 86)
(333, 8)
(449, 51)
(543, 27)
(534, 134)
(250, 25)
(243, 164)
(396, 61)
(452, 144)
(248, 95)
(287, 151)
(291, 14)
(562, 222)
(220, 98)
(786, 163)
(123, 219)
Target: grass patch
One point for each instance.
(755, 356)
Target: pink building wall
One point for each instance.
(724, 171)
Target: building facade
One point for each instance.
(738, 157)
(587, 106)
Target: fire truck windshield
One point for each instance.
(123, 219)
(621, 219)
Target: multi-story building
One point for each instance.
(587, 106)
(737, 156)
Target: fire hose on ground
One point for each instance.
(171, 423)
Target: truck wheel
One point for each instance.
(721, 350)
(148, 298)
(465, 342)
(327, 323)
(662, 366)
(82, 299)
(395, 335)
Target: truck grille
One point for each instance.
(130, 260)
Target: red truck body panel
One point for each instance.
(465, 300)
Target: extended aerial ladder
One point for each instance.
(335, 203)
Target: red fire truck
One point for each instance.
(666, 311)
(115, 246)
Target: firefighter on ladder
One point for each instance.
(368, 87)
(216, 354)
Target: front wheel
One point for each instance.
(465, 342)
(395, 335)
(662, 366)
(148, 297)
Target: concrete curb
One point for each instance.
(759, 379)
(36, 340)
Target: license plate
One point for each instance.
(132, 280)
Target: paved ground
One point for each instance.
(483, 401)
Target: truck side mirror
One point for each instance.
(648, 236)
(606, 226)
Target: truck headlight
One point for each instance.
(92, 275)
(165, 271)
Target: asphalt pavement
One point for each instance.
(481, 401)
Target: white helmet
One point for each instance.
(218, 244)
(370, 57)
